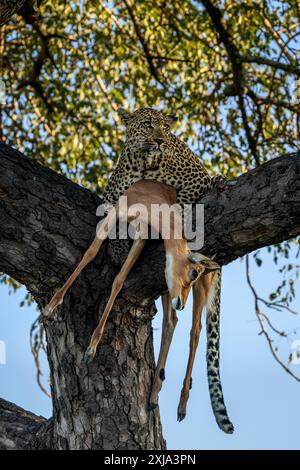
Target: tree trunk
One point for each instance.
(47, 222)
(103, 405)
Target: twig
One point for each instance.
(237, 70)
(143, 43)
(36, 344)
(260, 317)
(271, 63)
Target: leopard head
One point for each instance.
(146, 128)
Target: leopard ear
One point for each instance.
(171, 119)
(124, 115)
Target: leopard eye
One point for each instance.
(194, 274)
(147, 124)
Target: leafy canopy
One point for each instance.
(67, 68)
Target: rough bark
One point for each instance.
(260, 208)
(8, 8)
(17, 426)
(47, 222)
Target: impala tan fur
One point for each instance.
(183, 270)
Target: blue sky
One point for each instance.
(262, 400)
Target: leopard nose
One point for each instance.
(147, 146)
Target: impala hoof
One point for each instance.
(181, 414)
(47, 312)
(152, 405)
(153, 402)
(89, 355)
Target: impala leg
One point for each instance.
(133, 255)
(169, 323)
(88, 256)
(199, 299)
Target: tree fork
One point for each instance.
(47, 222)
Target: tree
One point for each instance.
(231, 80)
(105, 404)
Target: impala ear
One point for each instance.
(207, 263)
(171, 120)
(210, 265)
(124, 115)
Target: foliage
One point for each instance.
(66, 71)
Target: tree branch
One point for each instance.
(18, 427)
(33, 17)
(260, 208)
(271, 63)
(237, 70)
(143, 42)
(36, 206)
(47, 222)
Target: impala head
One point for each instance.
(182, 271)
(146, 129)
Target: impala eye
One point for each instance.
(194, 274)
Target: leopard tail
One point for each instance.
(213, 354)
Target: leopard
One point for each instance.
(152, 151)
